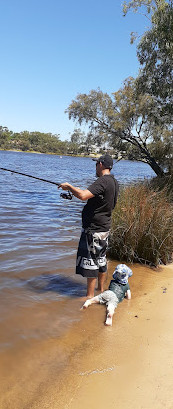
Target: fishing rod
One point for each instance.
(67, 196)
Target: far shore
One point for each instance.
(52, 153)
(90, 155)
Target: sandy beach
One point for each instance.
(127, 365)
(133, 366)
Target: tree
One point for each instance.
(155, 54)
(31, 141)
(77, 136)
(5, 137)
(137, 119)
(126, 120)
(77, 140)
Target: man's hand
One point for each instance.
(64, 186)
(76, 191)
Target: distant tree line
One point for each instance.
(45, 142)
(79, 143)
(31, 141)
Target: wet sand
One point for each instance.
(127, 365)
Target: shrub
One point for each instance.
(165, 183)
(142, 226)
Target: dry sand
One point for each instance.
(133, 367)
(129, 365)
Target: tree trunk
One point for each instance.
(157, 169)
(151, 161)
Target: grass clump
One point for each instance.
(163, 183)
(142, 226)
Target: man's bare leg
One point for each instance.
(91, 283)
(101, 281)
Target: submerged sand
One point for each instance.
(127, 365)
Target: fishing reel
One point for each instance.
(67, 195)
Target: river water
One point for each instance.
(39, 233)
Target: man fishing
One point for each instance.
(101, 199)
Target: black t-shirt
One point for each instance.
(96, 213)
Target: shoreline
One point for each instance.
(131, 361)
(52, 153)
(92, 155)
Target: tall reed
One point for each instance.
(142, 226)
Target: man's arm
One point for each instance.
(76, 191)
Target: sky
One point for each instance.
(52, 50)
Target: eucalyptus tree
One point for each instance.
(125, 119)
(137, 119)
(155, 54)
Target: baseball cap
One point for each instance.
(122, 273)
(106, 160)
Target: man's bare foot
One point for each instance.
(85, 298)
(108, 321)
(99, 289)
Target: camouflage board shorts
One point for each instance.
(91, 255)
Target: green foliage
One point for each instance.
(137, 119)
(142, 226)
(135, 4)
(155, 54)
(77, 139)
(165, 184)
(5, 137)
(77, 136)
(161, 147)
(125, 120)
(31, 141)
(80, 144)
(149, 5)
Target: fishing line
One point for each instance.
(67, 196)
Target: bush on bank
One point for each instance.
(165, 183)
(142, 226)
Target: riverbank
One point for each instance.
(130, 364)
(92, 155)
(133, 367)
